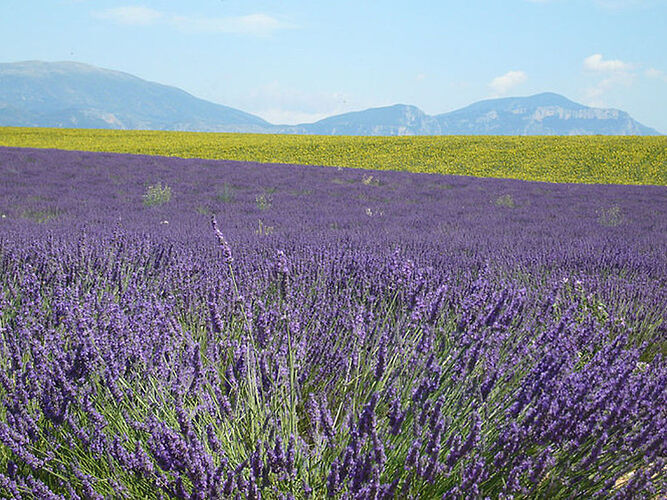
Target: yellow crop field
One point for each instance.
(578, 159)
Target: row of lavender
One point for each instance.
(344, 333)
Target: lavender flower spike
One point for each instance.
(226, 250)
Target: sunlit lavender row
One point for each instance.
(201, 329)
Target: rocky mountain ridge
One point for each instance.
(69, 94)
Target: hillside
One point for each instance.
(77, 95)
(68, 94)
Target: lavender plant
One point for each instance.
(448, 349)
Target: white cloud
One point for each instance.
(289, 117)
(257, 24)
(252, 24)
(421, 77)
(131, 15)
(500, 85)
(597, 63)
(623, 4)
(283, 104)
(595, 95)
(608, 4)
(614, 73)
(656, 73)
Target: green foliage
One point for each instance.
(263, 229)
(370, 180)
(39, 215)
(264, 201)
(156, 194)
(505, 200)
(226, 195)
(612, 216)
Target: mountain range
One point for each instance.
(70, 94)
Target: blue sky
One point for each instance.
(297, 61)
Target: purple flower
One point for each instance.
(227, 257)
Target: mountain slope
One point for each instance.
(69, 94)
(77, 95)
(399, 119)
(541, 114)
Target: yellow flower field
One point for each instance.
(579, 159)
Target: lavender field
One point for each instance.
(175, 328)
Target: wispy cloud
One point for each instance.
(502, 84)
(595, 95)
(608, 4)
(597, 63)
(258, 24)
(614, 73)
(282, 104)
(656, 73)
(623, 4)
(279, 116)
(252, 24)
(130, 15)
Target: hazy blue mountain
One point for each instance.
(541, 114)
(69, 94)
(399, 119)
